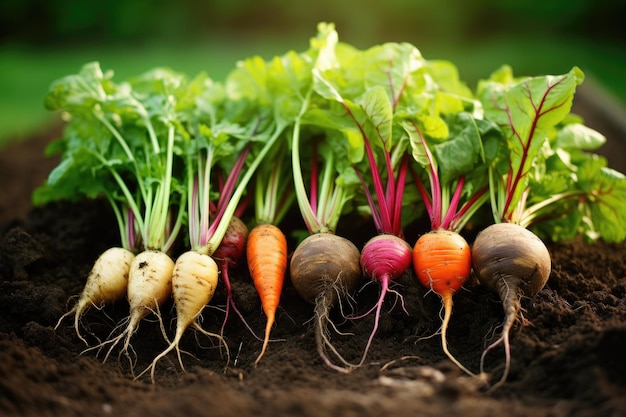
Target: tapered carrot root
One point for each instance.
(442, 262)
(267, 261)
(149, 287)
(194, 280)
(106, 283)
(324, 270)
(512, 261)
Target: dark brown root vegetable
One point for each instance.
(324, 270)
(512, 261)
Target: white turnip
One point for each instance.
(194, 280)
(106, 283)
(149, 287)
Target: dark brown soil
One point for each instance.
(566, 357)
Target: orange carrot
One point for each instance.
(442, 262)
(266, 252)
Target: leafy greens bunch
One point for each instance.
(382, 132)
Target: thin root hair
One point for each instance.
(105, 314)
(360, 316)
(394, 361)
(503, 339)
(110, 339)
(285, 312)
(131, 355)
(491, 334)
(343, 297)
(199, 328)
(373, 308)
(398, 296)
(322, 336)
(162, 327)
(364, 286)
(324, 344)
(236, 360)
(216, 307)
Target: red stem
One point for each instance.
(227, 191)
(397, 208)
(525, 142)
(435, 186)
(454, 203)
(469, 203)
(423, 193)
(383, 209)
(370, 201)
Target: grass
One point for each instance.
(25, 74)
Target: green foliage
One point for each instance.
(348, 118)
(542, 171)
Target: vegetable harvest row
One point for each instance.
(381, 132)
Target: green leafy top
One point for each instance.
(120, 142)
(332, 184)
(541, 172)
(153, 143)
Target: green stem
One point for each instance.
(130, 200)
(459, 223)
(533, 211)
(129, 154)
(216, 238)
(495, 196)
(298, 181)
(121, 224)
(158, 230)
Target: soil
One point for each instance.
(566, 353)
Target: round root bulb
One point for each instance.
(442, 263)
(512, 261)
(384, 258)
(324, 270)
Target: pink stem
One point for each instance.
(397, 207)
(370, 201)
(454, 203)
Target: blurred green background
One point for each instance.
(41, 40)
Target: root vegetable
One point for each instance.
(194, 280)
(441, 258)
(227, 255)
(106, 283)
(442, 262)
(267, 262)
(325, 269)
(149, 287)
(512, 261)
(384, 257)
